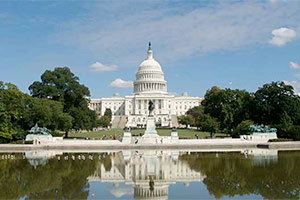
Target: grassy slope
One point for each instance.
(183, 133)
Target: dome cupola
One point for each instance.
(150, 77)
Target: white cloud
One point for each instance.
(295, 84)
(297, 75)
(294, 65)
(230, 83)
(119, 33)
(119, 83)
(99, 67)
(281, 36)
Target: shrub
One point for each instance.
(291, 132)
(243, 128)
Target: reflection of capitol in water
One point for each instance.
(150, 172)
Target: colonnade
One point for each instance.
(150, 76)
(145, 192)
(150, 87)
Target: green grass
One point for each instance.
(183, 133)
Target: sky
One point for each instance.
(199, 44)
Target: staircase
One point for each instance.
(119, 122)
(174, 121)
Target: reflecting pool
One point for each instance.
(246, 174)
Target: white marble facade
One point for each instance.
(150, 84)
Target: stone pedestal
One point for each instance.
(31, 137)
(150, 135)
(174, 137)
(127, 137)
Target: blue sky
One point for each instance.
(233, 44)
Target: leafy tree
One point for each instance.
(11, 107)
(186, 120)
(272, 100)
(60, 85)
(63, 86)
(211, 101)
(209, 124)
(229, 107)
(104, 121)
(196, 112)
(243, 128)
(46, 113)
(83, 118)
(108, 113)
(6, 128)
(286, 129)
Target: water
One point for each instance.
(252, 174)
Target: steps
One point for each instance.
(119, 122)
(174, 121)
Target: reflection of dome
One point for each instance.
(150, 77)
(159, 192)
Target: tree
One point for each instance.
(243, 128)
(108, 113)
(196, 112)
(211, 101)
(63, 86)
(286, 129)
(60, 85)
(186, 120)
(104, 121)
(274, 99)
(209, 124)
(11, 107)
(229, 107)
(46, 113)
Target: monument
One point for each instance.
(38, 132)
(127, 139)
(260, 133)
(150, 135)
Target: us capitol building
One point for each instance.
(150, 84)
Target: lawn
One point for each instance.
(183, 133)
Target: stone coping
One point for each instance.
(120, 146)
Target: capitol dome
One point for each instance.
(150, 77)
